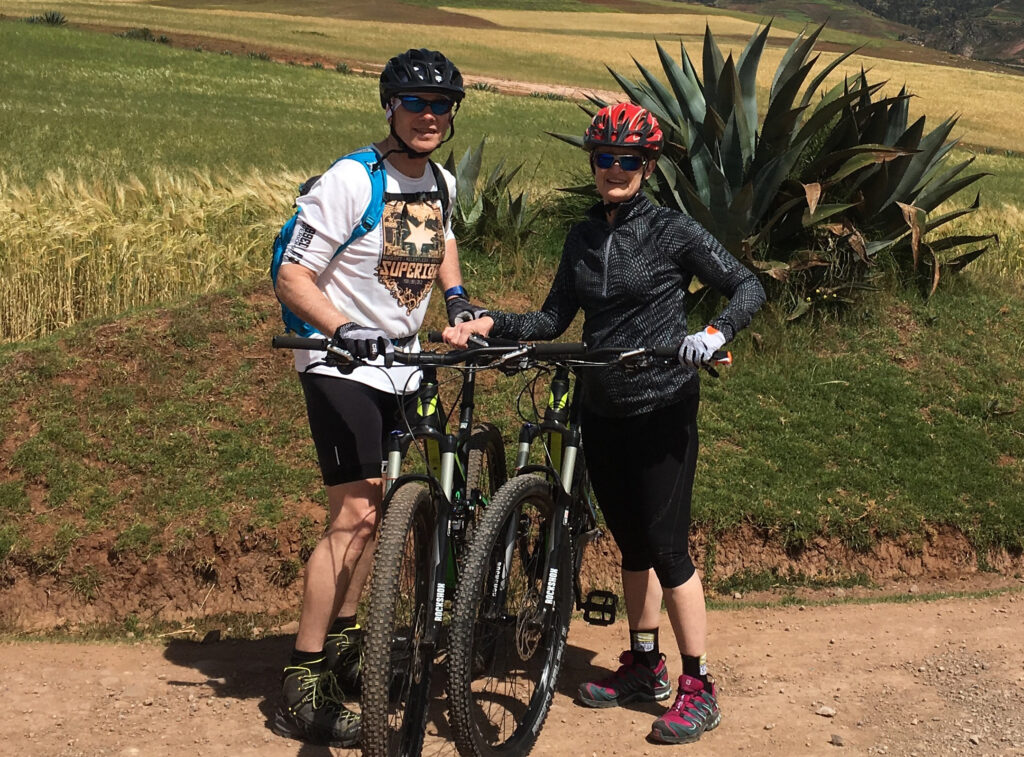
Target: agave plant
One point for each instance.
(813, 192)
(50, 18)
(486, 212)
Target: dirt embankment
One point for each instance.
(253, 572)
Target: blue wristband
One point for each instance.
(455, 291)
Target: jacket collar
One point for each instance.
(635, 206)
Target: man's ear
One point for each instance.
(649, 169)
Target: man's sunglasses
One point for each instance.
(626, 162)
(415, 104)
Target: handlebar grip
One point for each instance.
(434, 337)
(287, 342)
(561, 349)
(720, 357)
(666, 350)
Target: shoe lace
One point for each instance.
(312, 685)
(328, 689)
(626, 665)
(348, 641)
(683, 703)
(686, 703)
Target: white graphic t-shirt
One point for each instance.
(382, 279)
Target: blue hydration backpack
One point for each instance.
(372, 161)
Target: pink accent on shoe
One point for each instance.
(694, 711)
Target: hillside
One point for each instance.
(983, 30)
(157, 469)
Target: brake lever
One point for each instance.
(519, 355)
(341, 359)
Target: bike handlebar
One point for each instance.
(499, 351)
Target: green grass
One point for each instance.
(903, 418)
(892, 422)
(775, 579)
(164, 425)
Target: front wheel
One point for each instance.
(397, 658)
(507, 642)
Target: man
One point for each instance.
(368, 287)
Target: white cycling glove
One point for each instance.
(697, 349)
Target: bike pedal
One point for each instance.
(599, 607)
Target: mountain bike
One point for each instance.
(521, 578)
(427, 520)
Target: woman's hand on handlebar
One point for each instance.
(458, 335)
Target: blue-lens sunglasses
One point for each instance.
(415, 104)
(626, 162)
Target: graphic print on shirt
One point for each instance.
(413, 236)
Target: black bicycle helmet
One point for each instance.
(422, 70)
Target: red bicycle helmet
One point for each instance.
(624, 125)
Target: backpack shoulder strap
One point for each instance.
(442, 188)
(370, 159)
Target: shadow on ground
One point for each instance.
(241, 669)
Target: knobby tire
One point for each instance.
(396, 673)
(503, 666)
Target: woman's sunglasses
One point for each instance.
(415, 104)
(626, 162)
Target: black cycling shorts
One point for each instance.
(350, 423)
(641, 469)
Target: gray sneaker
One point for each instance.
(311, 710)
(633, 681)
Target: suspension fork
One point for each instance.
(460, 495)
(558, 538)
(562, 418)
(442, 535)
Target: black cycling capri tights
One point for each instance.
(642, 469)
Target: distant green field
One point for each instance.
(93, 105)
(530, 46)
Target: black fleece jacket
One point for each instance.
(630, 279)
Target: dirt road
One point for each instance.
(921, 678)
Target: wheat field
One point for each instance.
(71, 250)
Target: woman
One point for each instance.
(628, 266)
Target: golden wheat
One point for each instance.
(1004, 259)
(71, 250)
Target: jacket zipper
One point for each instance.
(604, 273)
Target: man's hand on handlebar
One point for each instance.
(458, 335)
(363, 342)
